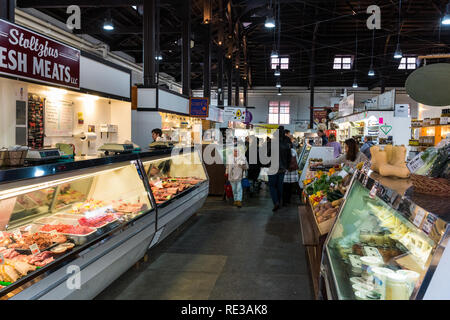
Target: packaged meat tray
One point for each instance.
(102, 223)
(78, 234)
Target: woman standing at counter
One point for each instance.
(351, 157)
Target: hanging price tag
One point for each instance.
(2, 259)
(419, 217)
(34, 249)
(429, 223)
(373, 191)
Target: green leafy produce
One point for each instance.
(440, 163)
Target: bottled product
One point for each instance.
(411, 278)
(379, 279)
(396, 287)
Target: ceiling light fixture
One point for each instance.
(277, 71)
(278, 85)
(159, 57)
(355, 82)
(371, 70)
(279, 92)
(274, 54)
(108, 24)
(398, 54)
(446, 18)
(270, 23)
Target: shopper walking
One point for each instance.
(336, 145)
(276, 174)
(291, 176)
(235, 171)
(254, 163)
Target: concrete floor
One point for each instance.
(224, 253)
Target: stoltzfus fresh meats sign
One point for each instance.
(29, 55)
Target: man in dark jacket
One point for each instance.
(276, 173)
(252, 156)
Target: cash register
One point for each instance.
(39, 156)
(116, 148)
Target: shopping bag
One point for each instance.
(228, 190)
(245, 183)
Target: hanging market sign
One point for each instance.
(234, 114)
(29, 55)
(199, 107)
(346, 105)
(386, 129)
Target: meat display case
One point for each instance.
(387, 243)
(69, 230)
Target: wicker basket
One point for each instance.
(428, 185)
(14, 158)
(3, 154)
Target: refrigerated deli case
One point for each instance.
(69, 230)
(387, 243)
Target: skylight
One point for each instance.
(408, 63)
(283, 61)
(343, 62)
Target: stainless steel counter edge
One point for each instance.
(18, 174)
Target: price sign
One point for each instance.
(373, 191)
(366, 167)
(419, 217)
(34, 249)
(416, 163)
(2, 236)
(429, 223)
(53, 233)
(2, 259)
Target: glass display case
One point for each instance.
(48, 219)
(303, 156)
(51, 214)
(172, 177)
(383, 246)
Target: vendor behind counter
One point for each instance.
(351, 157)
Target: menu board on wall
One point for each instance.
(386, 101)
(346, 105)
(58, 118)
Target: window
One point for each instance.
(282, 61)
(343, 62)
(279, 112)
(408, 63)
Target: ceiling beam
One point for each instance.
(80, 3)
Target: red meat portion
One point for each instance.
(96, 222)
(65, 228)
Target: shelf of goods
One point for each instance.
(322, 197)
(97, 217)
(323, 153)
(386, 243)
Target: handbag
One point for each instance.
(228, 190)
(245, 183)
(293, 165)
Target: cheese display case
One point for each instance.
(384, 245)
(95, 218)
